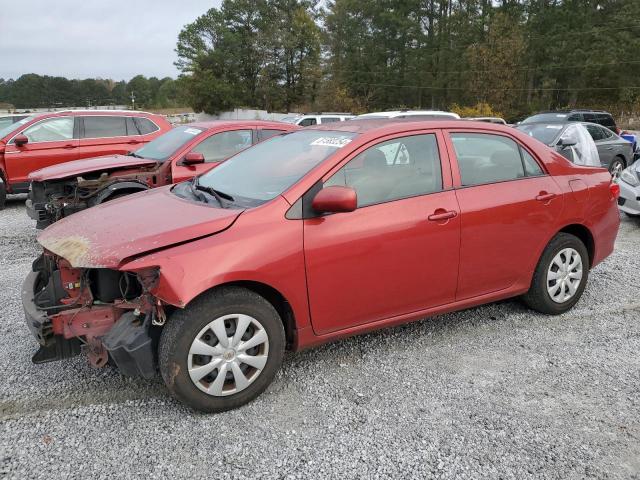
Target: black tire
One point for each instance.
(3, 193)
(632, 215)
(538, 297)
(184, 325)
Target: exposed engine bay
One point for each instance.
(109, 314)
(51, 200)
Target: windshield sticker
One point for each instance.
(561, 116)
(335, 142)
(192, 131)
(555, 127)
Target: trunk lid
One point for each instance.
(105, 235)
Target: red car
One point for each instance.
(177, 155)
(312, 236)
(50, 138)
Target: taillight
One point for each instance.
(614, 188)
(618, 131)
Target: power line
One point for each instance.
(531, 69)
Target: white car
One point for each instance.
(317, 118)
(420, 114)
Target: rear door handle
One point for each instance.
(133, 142)
(441, 214)
(69, 146)
(545, 197)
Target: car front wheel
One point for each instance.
(222, 351)
(560, 276)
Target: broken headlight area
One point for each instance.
(109, 314)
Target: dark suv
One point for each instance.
(593, 116)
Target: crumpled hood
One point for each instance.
(88, 165)
(105, 235)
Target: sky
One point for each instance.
(93, 38)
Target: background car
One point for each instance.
(613, 152)
(177, 155)
(312, 236)
(593, 116)
(413, 114)
(629, 181)
(317, 118)
(51, 138)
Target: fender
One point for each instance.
(115, 187)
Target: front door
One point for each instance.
(51, 141)
(215, 148)
(508, 207)
(395, 254)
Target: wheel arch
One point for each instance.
(275, 298)
(585, 235)
(625, 163)
(119, 188)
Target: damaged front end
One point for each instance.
(109, 314)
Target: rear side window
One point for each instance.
(222, 145)
(330, 119)
(485, 158)
(53, 130)
(145, 126)
(399, 168)
(267, 133)
(104, 127)
(595, 132)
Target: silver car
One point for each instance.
(629, 200)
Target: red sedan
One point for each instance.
(313, 236)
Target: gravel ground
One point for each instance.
(491, 392)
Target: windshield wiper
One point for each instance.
(218, 195)
(133, 154)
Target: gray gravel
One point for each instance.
(491, 392)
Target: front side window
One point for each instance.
(399, 168)
(221, 146)
(484, 158)
(164, 146)
(53, 130)
(104, 127)
(145, 126)
(268, 133)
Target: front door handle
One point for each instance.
(134, 142)
(69, 146)
(545, 197)
(441, 214)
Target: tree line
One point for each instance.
(41, 91)
(508, 56)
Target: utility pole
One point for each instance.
(133, 101)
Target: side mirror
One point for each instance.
(192, 158)
(567, 142)
(20, 140)
(335, 199)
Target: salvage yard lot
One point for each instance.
(492, 391)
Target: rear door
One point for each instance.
(397, 253)
(216, 148)
(104, 135)
(51, 141)
(508, 211)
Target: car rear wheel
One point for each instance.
(560, 276)
(616, 167)
(222, 351)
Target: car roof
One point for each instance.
(394, 125)
(211, 124)
(396, 113)
(133, 113)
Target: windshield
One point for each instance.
(547, 117)
(4, 131)
(271, 167)
(166, 145)
(544, 133)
